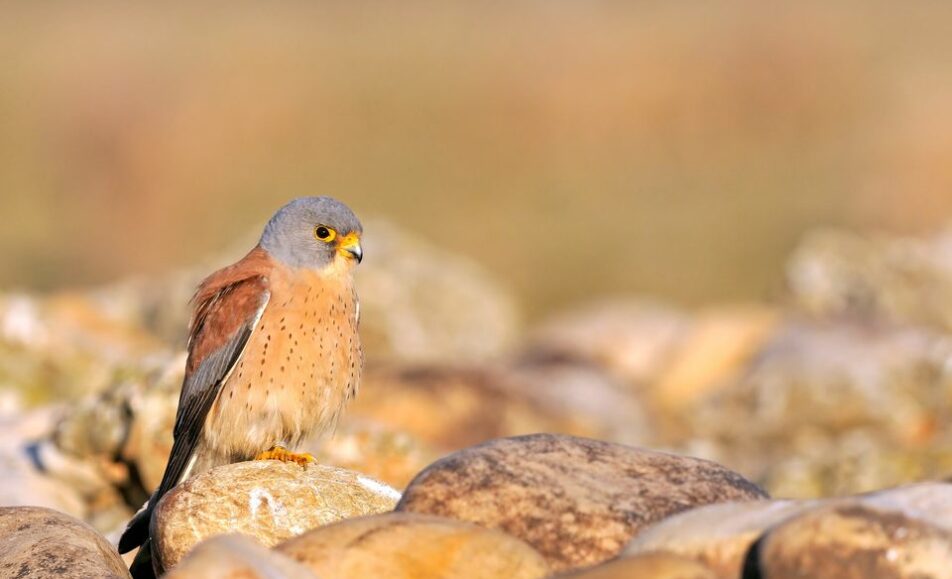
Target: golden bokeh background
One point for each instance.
(572, 148)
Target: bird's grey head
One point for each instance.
(313, 232)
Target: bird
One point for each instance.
(274, 353)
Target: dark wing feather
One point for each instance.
(222, 323)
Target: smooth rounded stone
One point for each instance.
(386, 454)
(577, 501)
(648, 566)
(717, 535)
(712, 354)
(237, 557)
(269, 500)
(632, 338)
(854, 539)
(411, 546)
(929, 501)
(837, 273)
(37, 542)
(832, 408)
(597, 403)
(452, 407)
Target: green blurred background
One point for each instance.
(572, 148)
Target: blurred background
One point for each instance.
(570, 148)
(717, 229)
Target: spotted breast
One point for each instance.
(301, 365)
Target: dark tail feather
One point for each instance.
(142, 567)
(137, 531)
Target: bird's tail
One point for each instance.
(137, 531)
(137, 534)
(142, 566)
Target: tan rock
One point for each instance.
(632, 338)
(269, 500)
(37, 542)
(237, 557)
(450, 407)
(891, 534)
(715, 351)
(389, 455)
(577, 501)
(717, 535)
(647, 566)
(410, 546)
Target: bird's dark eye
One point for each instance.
(324, 233)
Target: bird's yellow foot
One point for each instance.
(285, 455)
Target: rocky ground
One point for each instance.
(835, 400)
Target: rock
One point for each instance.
(410, 546)
(452, 311)
(22, 483)
(237, 557)
(37, 542)
(389, 455)
(717, 535)
(649, 566)
(633, 339)
(834, 408)
(60, 348)
(599, 404)
(577, 501)
(452, 407)
(906, 280)
(901, 533)
(268, 500)
(717, 348)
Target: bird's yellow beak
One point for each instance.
(350, 247)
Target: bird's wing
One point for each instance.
(221, 328)
(227, 307)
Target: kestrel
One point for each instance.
(273, 349)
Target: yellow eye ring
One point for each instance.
(325, 233)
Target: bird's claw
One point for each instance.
(285, 455)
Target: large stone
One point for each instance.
(37, 542)
(903, 533)
(648, 566)
(237, 557)
(386, 454)
(451, 407)
(269, 500)
(838, 274)
(717, 535)
(834, 408)
(409, 546)
(577, 501)
(634, 339)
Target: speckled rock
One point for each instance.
(838, 273)
(834, 408)
(646, 566)
(36, 542)
(717, 535)
(237, 557)
(269, 500)
(903, 533)
(410, 546)
(577, 501)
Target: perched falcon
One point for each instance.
(273, 350)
